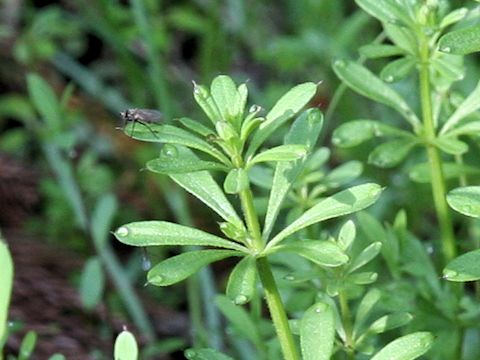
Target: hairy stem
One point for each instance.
(438, 180)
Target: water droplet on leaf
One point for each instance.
(389, 78)
(240, 300)
(169, 151)
(254, 109)
(340, 63)
(446, 49)
(289, 277)
(122, 231)
(190, 354)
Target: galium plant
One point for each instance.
(234, 144)
(416, 31)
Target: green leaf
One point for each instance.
(317, 332)
(356, 132)
(391, 153)
(466, 267)
(180, 267)
(27, 346)
(346, 235)
(453, 17)
(407, 347)
(365, 307)
(465, 200)
(398, 69)
(45, 101)
(304, 131)
(324, 253)
(389, 322)
(236, 181)
(280, 153)
(57, 357)
(92, 283)
(461, 42)
(242, 280)
(173, 135)
(375, 51)
(206, 102)
(343, 174)
(224, 93)
(421, 172)
(450, 67)
(102, 218)
(451, 145)
(239, 319)
(202, 185)
(205, 354)
(466, 108)
(363, 81)
(126, 347)
(6, 288)
(386, 11)
(196, 126)
(285, 108)
(365, 256)
(345, 202)
(402, 37)
(182, 162)
(471, 128)
(363, 278)
(155, 233)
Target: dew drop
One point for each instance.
(289, 277)
(446, 49)
(254, 109)
(169, 151)
(340, 63)
(122, 231)
(448, 274)
(190, 354)
(389, 78)
(240, 300)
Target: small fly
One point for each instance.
(141, 116)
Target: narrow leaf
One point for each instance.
(154, 233)
(236, 181)
(6, 274)
(205, 354)
(304, 131)
(363, 81)
(285, 108)
(182, 164)
(365, 256)
(280, 153)
(453, 17)
(356, 132)
(466, 267)
(347, 234)
(397, 69)
(465, 200)
(242, 280)
(407, 347)
(461, 42)
(386, 11)
(180, 267)
(102, 218)
(224, 93)
(402, 37)
(451, 145)
(345, 202)
(324, 253)
(126, 347)
(92, 283)
(317, 332)
(389, 322)
(391, 153)
(45, 101)
(365, 307)
(343, 174)
(27, 346)
(466, 108)
(196, 126)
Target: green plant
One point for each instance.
(233, 146)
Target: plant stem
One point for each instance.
(438, 180)
(277, 311)
(347, 323)
(272, 295)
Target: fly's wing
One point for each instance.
(148, 115)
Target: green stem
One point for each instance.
(438, 180)
(347, 323)
(272, 295)
(277, 311)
